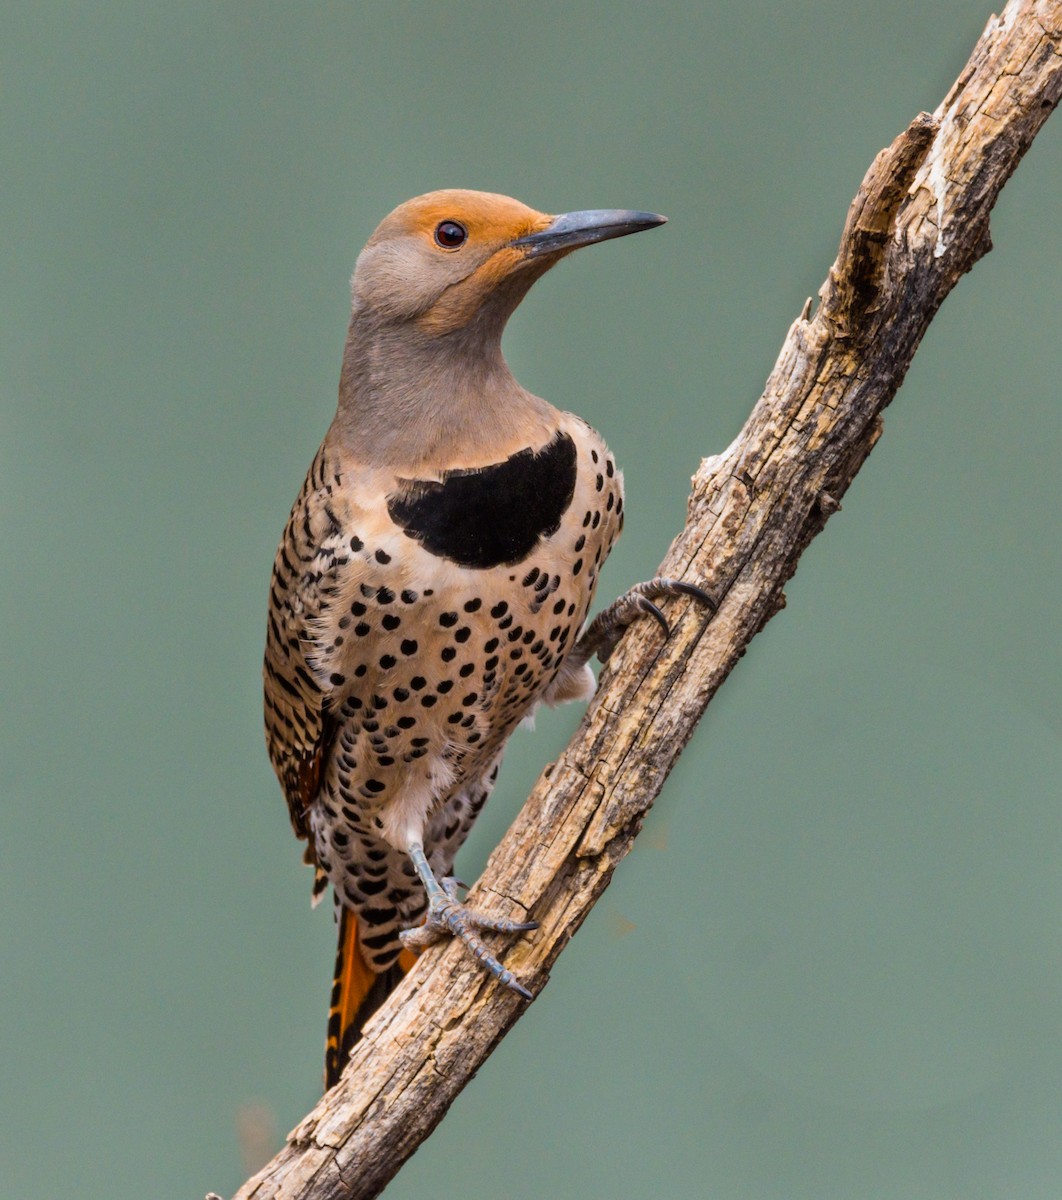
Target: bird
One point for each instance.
(432, 583)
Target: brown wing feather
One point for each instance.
(299, 729)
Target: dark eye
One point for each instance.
(450, 235)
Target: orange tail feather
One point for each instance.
(357, 992)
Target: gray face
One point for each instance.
(401, 277)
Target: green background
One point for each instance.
(833, 965)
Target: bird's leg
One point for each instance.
(447, 916)
(606, 629)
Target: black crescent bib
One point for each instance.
(490, 516)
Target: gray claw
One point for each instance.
(650, 609)
(691, 589)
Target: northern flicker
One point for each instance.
(432, 581)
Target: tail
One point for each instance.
(357, 992)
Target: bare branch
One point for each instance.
(918, 222)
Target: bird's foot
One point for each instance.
(448, 917)
(604, 632)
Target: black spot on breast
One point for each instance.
(493, 515)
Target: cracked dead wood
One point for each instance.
(918, 222)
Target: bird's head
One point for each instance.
(448, 260)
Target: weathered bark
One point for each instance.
(918, 222)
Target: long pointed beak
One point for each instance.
(570, 230)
